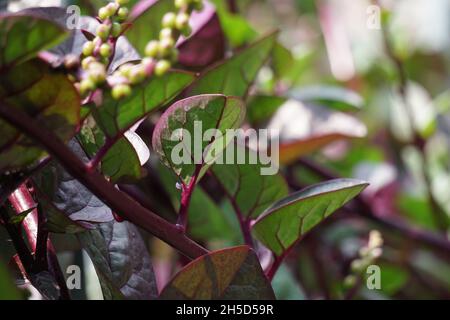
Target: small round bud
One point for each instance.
(197, 5)
(103, 31)
(116, 29)
(162, 67)
(86, 85)
(168, 20)
(121, 91)
(71, 61)
(182, 21)
(87, 61)
(123, 14)
(148, 64)
(179, 4)
(97, 72)
(186, 32)
(165, 33)
(137, 74)
(88, 48)
(124, 70)
(165, 46)
(105, 50)
(122, 2)
(350, 281)
(112, 8)
(103, 13)
(152, 49)
(174, 53)
(357, 265)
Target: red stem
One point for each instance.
(186, 195)
(95, 182)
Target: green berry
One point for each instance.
(103, 31)
(88, 48)
(122, 2)
(105, 50)
(123, 14)
(162, 67)
(186, 32)
(112, 8)
(182, 21)
(146, 62)
(197, 5)
(86, 85)
(179, 4)
(125, 69)
(174, 55)
(137, 74)
(165, 33)
(121, 91)
(168, 20)
(152, 49)
(86, 62)
(165, 46)
(103, 13)
(116, 29)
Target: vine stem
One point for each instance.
(21, 200)
(186, 195)
(96, 183)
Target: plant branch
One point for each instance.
(115, 199)
(186, 195)
(21, 200)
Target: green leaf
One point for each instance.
(283, 224)
(337, 98)
(175, 134)
(146, 22)
(121, 162)
(46, 95)
(121, 260)
(24, 35)
(232, 273)
(234, 76)
(115, 117)
(8, 290)
(251, 191)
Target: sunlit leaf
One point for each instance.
(24, 35)
(229, 274)
(234, 75)
(49, 97)
(175, 135)
(283, 224)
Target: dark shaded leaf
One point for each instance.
(229, 274)
(281, 225)
(8, 290)
(121, 261)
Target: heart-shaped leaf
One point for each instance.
(228, 274)
(178, 137)
(251, 191)
(69, 205)
(121, 260)
(46, 95)
(234, 76)
(24, 35)
(284, 223)
(115, 117)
